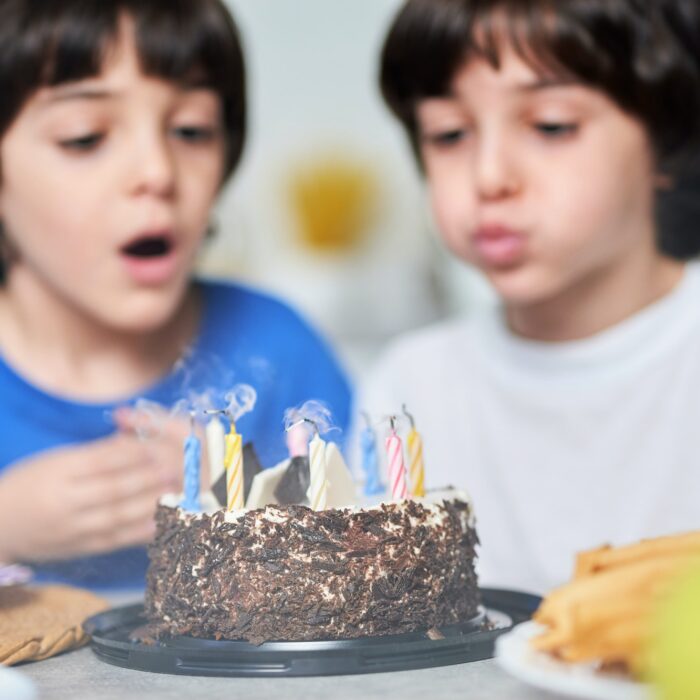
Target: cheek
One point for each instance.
(453, 213)
(199, 188)
(602, 210)
(201, 172)
(48, 216)
(611, 196)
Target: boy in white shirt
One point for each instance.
(570, 410)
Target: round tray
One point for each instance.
(470, 641)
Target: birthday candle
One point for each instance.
(193, 454)
(397, 469)
(216, 448)
(415, 461)
(318, 486)
(298, 440)
(233, 463)
(370, 462)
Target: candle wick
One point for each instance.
(314, 424)
(408, 415)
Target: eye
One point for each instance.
(446, 138)
(196, 134)
(87, 142)
(556, 129)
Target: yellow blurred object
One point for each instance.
(606, 613)
(334, 200)
(675, 650)
(608, 557)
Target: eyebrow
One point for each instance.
(74, 93)
(546, 84)
(79, 93)
(524, 87)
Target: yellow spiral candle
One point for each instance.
(233, 463)
(416, 468)
(318, 486)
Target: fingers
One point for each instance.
(140, 532)
(109, 524)
(116, 524)
(113, 488)
(160, 428)
(107, 458)
(156, 424)
(146, 423)
(80, 500)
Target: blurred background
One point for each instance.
(327, 208)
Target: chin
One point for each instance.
(145, 314)
(522, 287)
(141, 325)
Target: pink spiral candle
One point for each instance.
(397, 469)
(298, 440)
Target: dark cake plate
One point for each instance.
(470, 641)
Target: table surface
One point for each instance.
(80, 675)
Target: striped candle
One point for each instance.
(416, 467)
(397, 469)
(233, 463)
(193, 455)
(318, 486)
(370, 461)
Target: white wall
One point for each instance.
(312, 67)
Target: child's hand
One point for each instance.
(84, 500)
(159, 425)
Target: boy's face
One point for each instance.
(106, 191)
(544, 186)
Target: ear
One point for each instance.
(664, 182)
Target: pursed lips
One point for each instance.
(499, 245)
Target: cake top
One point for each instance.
(432, 502)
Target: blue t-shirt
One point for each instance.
(244, 337)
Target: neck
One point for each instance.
(63, 351)
(597, 303)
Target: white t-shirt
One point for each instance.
(563, 446)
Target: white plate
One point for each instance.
(515, 655)
(15, 686)
(14, 574)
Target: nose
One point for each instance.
(497, 175)
(153, 169)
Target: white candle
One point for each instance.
(318, 486)
(216, 449)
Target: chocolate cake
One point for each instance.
(286, 572)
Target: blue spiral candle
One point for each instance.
(370, 463)
(193, 455)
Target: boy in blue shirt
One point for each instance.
(120, 123)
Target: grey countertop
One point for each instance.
(80, 675)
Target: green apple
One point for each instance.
(675, 649)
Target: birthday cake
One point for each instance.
(287, 554)
(288, 572)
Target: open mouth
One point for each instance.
(149, 247)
